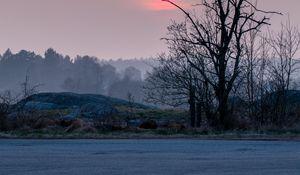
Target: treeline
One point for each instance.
(54, 72)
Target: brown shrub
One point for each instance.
(77, 124)
(177, 126)
(86, 129)
(44, 123)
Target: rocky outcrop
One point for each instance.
(79, 105)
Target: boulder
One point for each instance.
(134, 123)
(149, 124)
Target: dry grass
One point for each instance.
(150, 134)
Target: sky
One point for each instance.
(107, 29)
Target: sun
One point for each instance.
(159, 5)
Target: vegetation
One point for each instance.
(228, 72)
(126, 123)
(222, 73)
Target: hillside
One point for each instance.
(83, 105)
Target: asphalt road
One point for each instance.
(143, 157)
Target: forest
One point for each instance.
(54, 72)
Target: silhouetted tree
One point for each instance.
(212, 43)
(175, 83)
(285, 46)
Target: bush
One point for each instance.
(3, 122)
(42, 123)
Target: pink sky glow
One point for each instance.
(103, 28)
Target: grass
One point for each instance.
(174, 114)
(283, 131)
(136, 133)
(149, 134)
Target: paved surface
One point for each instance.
(143, 157)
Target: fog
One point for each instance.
(54, 72)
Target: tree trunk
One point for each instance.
(222, 97)
(199, 114)
(192, 107)
(223, 113)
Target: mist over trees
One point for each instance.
(54, 72)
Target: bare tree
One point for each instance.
(170, 83)
(285, 45)
(212, 44)
(176, 83)
(131, 102)
(251, 64)
(28, 89)
(262, 77)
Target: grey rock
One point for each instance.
(34, 105)
(81, 105)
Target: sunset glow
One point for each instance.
(159, 5)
